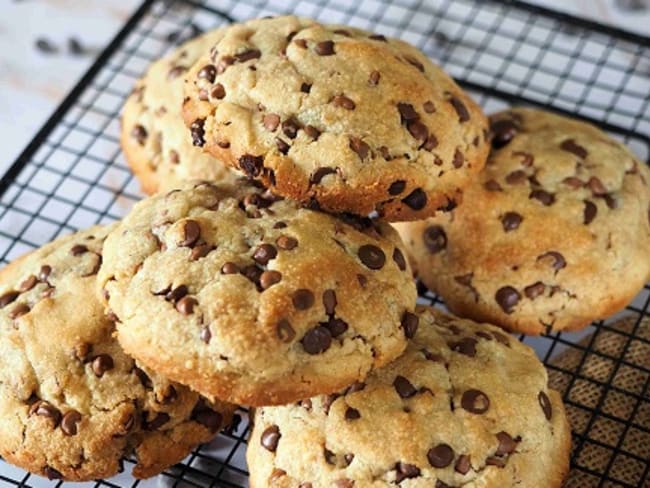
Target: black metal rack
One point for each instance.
(73, 175)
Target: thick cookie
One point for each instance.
(336, 117)
(72, 403)
(555, 232)
(465, 405)
(154, 140)
(253, 299)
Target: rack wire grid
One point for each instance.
(72, 174)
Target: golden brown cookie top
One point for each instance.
(465, 405)
(72, 403)
(554, 234)
(335, 116)
(244, 296)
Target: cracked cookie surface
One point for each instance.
(336, 117)
(555, 232)
(153, 137)
(465, 406)
(250, 298)
(72, 403)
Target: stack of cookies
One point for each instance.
(263, 271)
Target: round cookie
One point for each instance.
(465, 405)
(72, 403)
(555, 232)
(336, 117)
(253, 299)
(154, 139)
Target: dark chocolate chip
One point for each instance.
(516, 177)
(397, 187)
(78, 250)
(459, 159)
(492, 185)
(461, 109)
(435, 239)
(312, 132)
(507, 297)
(596, 186)
(317, 340)
(418, 130)
(139, 133)
(320, 173)
(302, 299)
(407, 112)
(502, 338)
(360, 147)
(324, 48)
(69, 422)
(429, 107)
(378, 37)
(329, 301)
(475, 401)
(571, 146)
(404, 471)
(336, 326)
(8, 298)
(590, 212)
(410, 323)
(463, 464)
(248, 55)
(44, 272)
(403, 387)
(218, 92)
(101, 364)
(207, 417)
(372, 256)
(545, 403)
(208, 72)
(270, 278)
(543, 196)
(19, 310)
(352, 414)
(271, 122)
(511, 221)
(176, 294)
(416, 200)
(282, 145)
(414, 62)
(399, 259)
(573, 182)
(284, 331)
(264, 253)
(251, 165)
(290, 128)
(534, 290)
(52, 474)
(47, 410)
(373, 79)
(305, 87)
(343, 102)
(191, 233)
(286, 243)
(157, 422)
(555, 259)
(330, 457)
(201, 251)
(507, 444)
(431, 143)
(440, 456)
(229, 268)
(197, 132)
(466, 346)
(186, 305)
(495, 461)
(503, 132)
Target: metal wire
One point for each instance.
(73, 175)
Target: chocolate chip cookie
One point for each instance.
(336, 117)
(72, 403)
(250, 298)
(154, 139)
(555, 232)
(465, 405)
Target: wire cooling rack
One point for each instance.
(73, 175)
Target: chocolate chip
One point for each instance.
(378, 37)
(343, 102)
(305, 87)
(270, 438)
(507, 444)
(435, 239)
(360, 147)
(407, 112)
(336, 326)
(440, 456)
(610, 201)
(403, 387)
(218, 92)
(78, 250)
(502, 338)
(397, 187)
(252, 272)
(516, 177)
(176, 294)
(300, 43)
(8, 298)
(330, 457)
(201, 251)
(205, 334)
(459, 159)
(545, 403)
(503, 131)
(573, 182)
(271, 122)
(251, 165)
(352, 414)
(229, 268)
(158, 421)
(511, 221)
(207, 417)
(270, 278)
(543, 196)
(429, 356)
(286, 243)
(191, 233)
(52, 474)
(463, 464)
(186, 305)
(475, 401)
(197, 132)
(139, 133)
(372, 256)
(590, 212)
(264, 253)
(208, 72)
(507, 297)
(282, 145)
(405, 471)
(47, 410)
(248, 55)
(535, 290)
(571, 146)
(175, 72)
(19, 310)
(373, 79)
(418, 130)
(302, 299)
(312, 132)
(329, 301)
(284, 331)
(399, 259)
(317, 340)
(431, 143)
(44, 273)
(416, 200)
(101, 364)
(69, 422)
(324, 48)
(495, 461)
(319, 174)
(414, 62)
(555, 259)
(410, 323)
(290, 128)
(466, 346)
(596, 186)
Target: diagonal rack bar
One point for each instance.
(72, 175)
